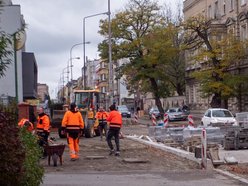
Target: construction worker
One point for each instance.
(102, 115)
(73, 125)
(115, 123)
(43, 128)
(90, 116)
(26, 123)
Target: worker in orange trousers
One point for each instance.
(73, 125)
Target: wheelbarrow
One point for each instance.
(55, 151)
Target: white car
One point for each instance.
(218, 115)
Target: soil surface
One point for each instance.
(240, 169)
(151, 159)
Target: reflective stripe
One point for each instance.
(72, 127)
(117, 125)
(40, 130)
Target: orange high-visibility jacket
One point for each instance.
(114, 119)
(101, 115)
(25, 121)
(73, 121)
(43, 123)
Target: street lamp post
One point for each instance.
(71, 55)
(84, 41)
(68, 67)
(110, 55)
(63, 79)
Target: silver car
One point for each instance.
(176, 114)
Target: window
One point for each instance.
(231, 5)
(210, 11)
(242, 2)
(244, 34)
(224, 7)
(216, 10)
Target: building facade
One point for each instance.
(43, 92)
(228, 16)
(30, 76)
(20, 80)
(11, 21)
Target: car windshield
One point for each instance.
(122, 109)
(155, 110)
(174, 110)
(221, 113)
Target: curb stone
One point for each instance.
(243, 180)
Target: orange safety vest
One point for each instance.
(43, 123)
(115, 119)
(25, 122)
(73, 121)
(90, 114)
(101, 115)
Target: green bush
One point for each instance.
(12, 154)
(19, 153)
(33, 171)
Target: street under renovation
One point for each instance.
(138, 164)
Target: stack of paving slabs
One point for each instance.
(236, 139)
(159, 133)
(214, 134)
(176, 133)
(224, 127)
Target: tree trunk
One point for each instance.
(156, 95)
(216, 101)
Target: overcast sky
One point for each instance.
(54, 26)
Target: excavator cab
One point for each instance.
(86, 100)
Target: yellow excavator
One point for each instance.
(86, 100)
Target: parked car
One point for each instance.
(176, 114)
(124, 111)
(154, 110)
(218, 115)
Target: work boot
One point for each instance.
(73, 159)
(111, 152)
(117, 153)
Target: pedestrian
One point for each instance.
(43, 128)
(101, 116)
(115, 123)
(90, 116)
(73, 125)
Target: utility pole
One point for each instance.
(110, 58)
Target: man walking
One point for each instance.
(43, 128)
(102, 115)
(73, 124)
(115, 124)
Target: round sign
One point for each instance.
(20, 39)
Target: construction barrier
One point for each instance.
(191, 121)
(135, 117)
(166, 120)
(204, 148)
(154, 120)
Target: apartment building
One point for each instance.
(43, 92)
(228, 16)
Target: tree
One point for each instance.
(5, 52)
(141, 34)
(218, 54)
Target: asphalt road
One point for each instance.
(189, 178)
